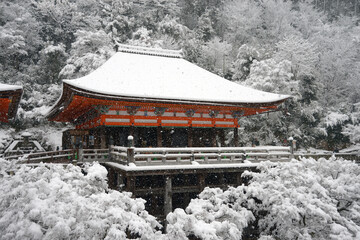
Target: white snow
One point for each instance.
(352, 149)
(133, 167)
(26, 134)
(7, 87)
(5, 137)
(139, 75)
(334, 118)
(56, 202)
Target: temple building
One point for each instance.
(159, 98)
(10, 96)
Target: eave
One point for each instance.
(9, 102)
(68, 110)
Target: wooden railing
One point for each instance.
(63, 156)
(169, 156)
(120, 154)
(90, 155)
(161, 156)
(347, 156)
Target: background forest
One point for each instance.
(309, 49)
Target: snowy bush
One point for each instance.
(53, 202)
(305, 199)
(214, 215)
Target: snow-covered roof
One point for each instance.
(163, 74)
(7, 87)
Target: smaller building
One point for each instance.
(10, 96)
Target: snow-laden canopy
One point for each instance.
(7, 87)
(159, 74)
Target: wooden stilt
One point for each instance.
(159, 136)
(190, 137)
(130, 185)
(202, 181)
(168, 196)
(102, 137)
(236, 137)
(213, 137)
(238, 179)
(132, 131)
(222, 137)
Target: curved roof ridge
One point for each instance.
(149, 51)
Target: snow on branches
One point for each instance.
(53, 202)
(305, 199)
(214, 215)
(300, 52)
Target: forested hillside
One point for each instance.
(309, 49)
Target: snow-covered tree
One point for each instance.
(272, 76)
(52, 60)
(244, 59)
(306, 199)
(90, 51)
(215, 55)
(300, 52)
(214, 215)
(53, 202)
(335, 138)
(352, 129)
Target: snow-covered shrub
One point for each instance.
(214, 215)
(305, 199)
(272, 76)
(5, 137)
(53, 202)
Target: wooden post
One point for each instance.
(130, 155)
(238, 179)
(102, 138)
(119, 181)
(159, 136)
(130, 185)
(81, 155)
(292, 143)
(131, 150)
(213, 137)
(190, 137)
(131, 130)
(222, 137)
(201, 181)
(236, 137)
(168, 196)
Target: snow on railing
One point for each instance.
(347, 156)
(90, 155)
(168, 156)
(61, 156)
(160, 156)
